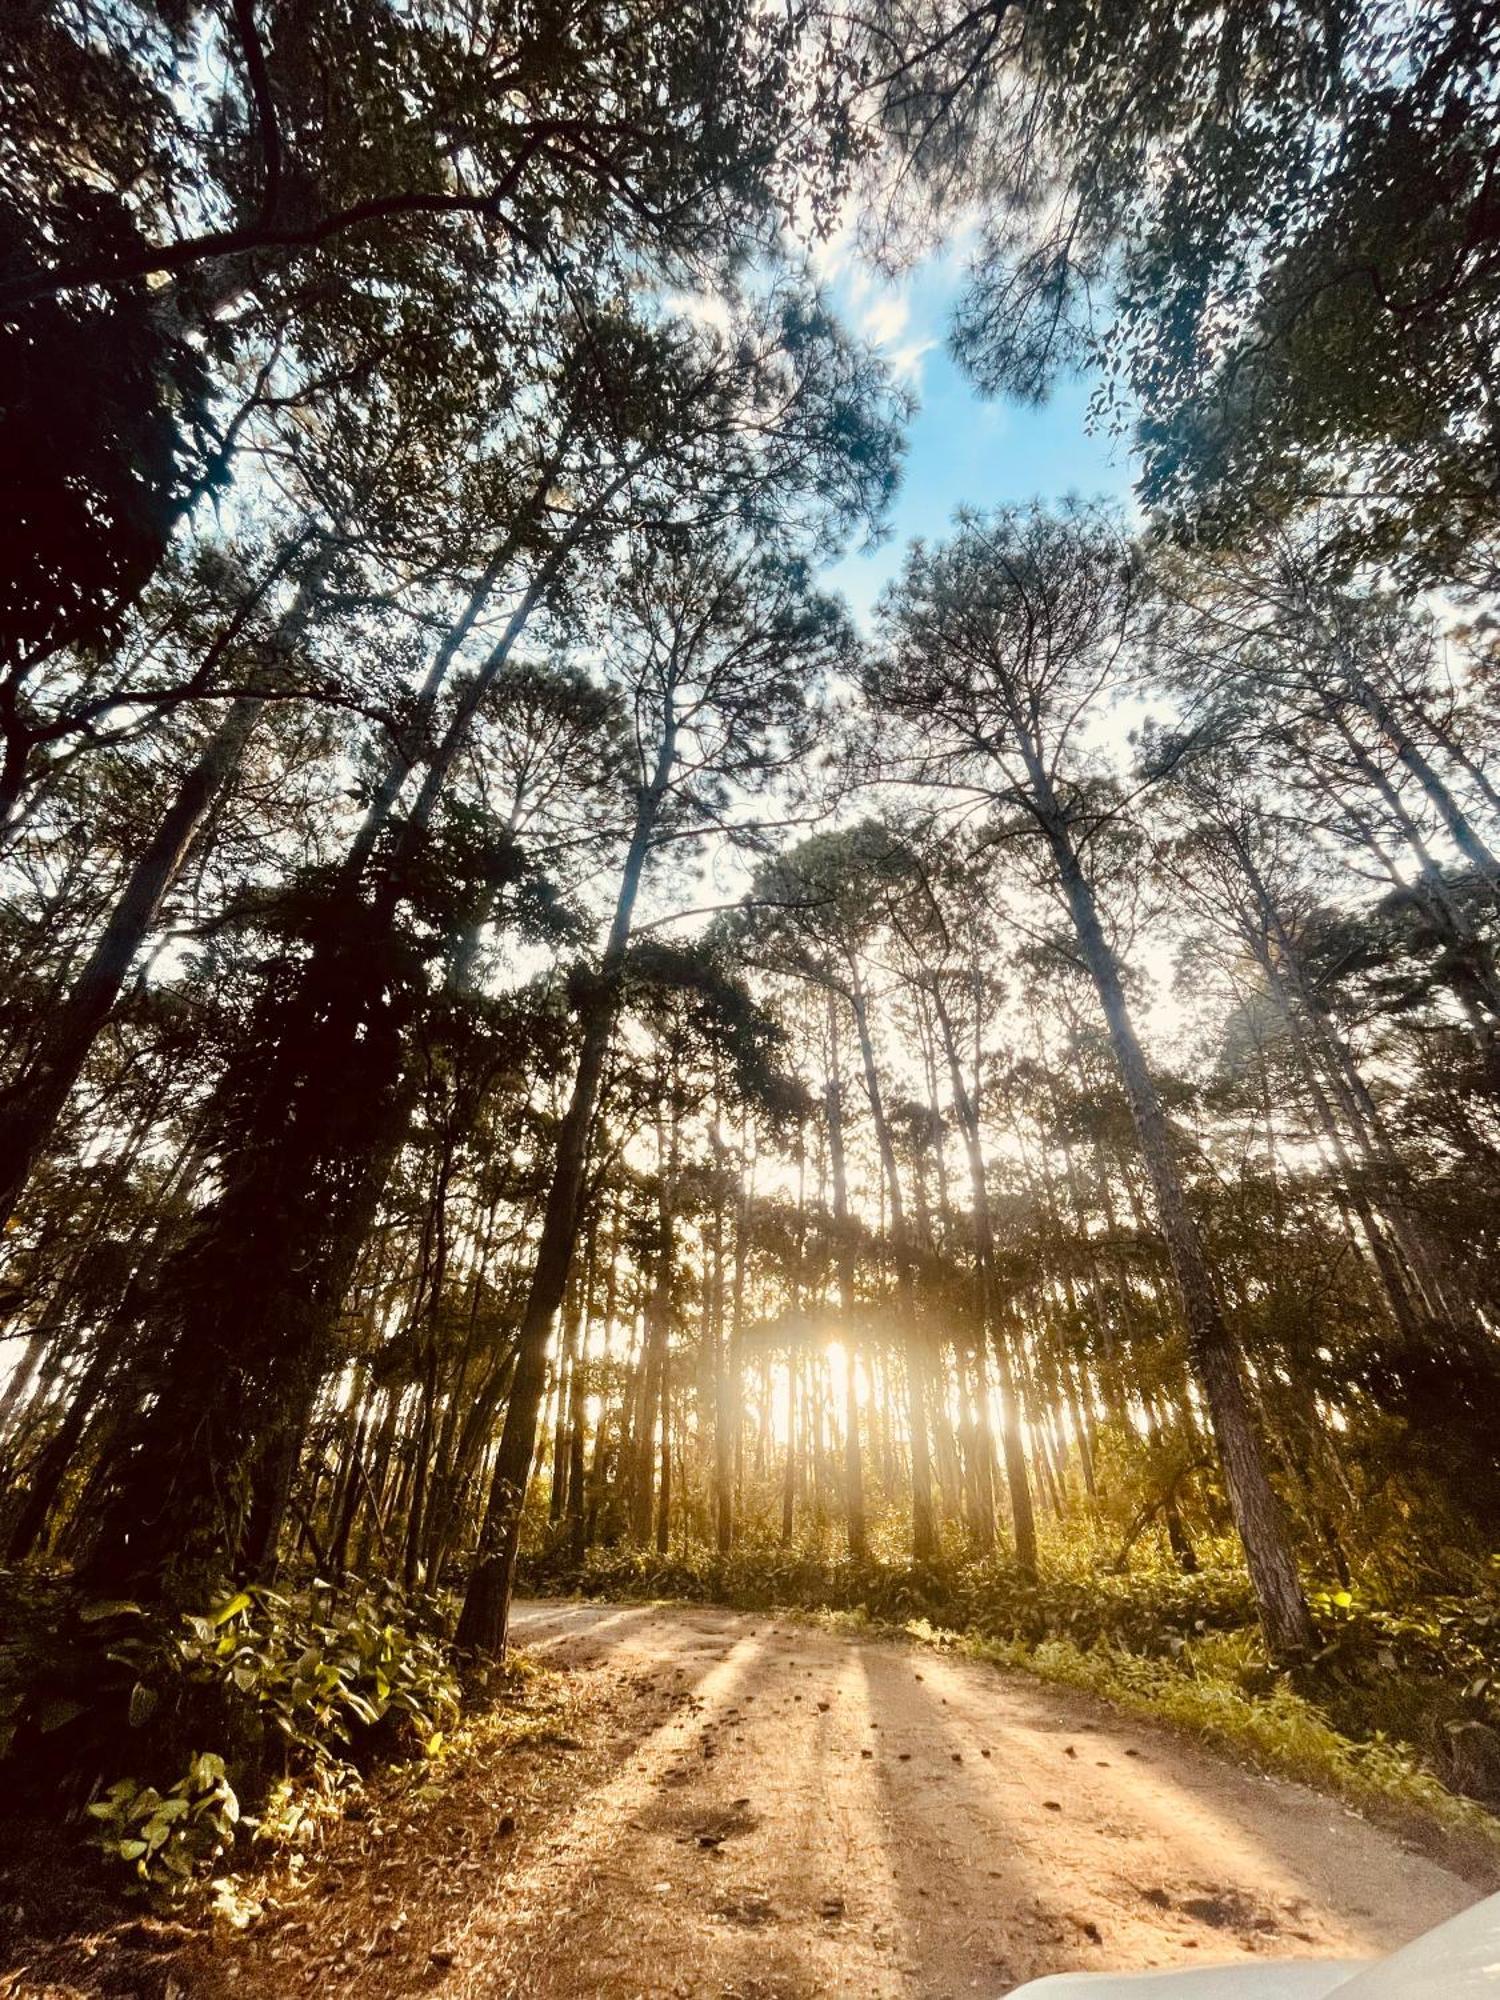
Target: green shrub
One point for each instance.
(311, 1684)
(324, 1669)
(167, 1839)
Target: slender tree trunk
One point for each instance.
(486, 1608)
(23, 1370)
(924, 1526)
(1276, 952)
(664, 1496)
(443, 1476)
(585, 1528)
(30, 1108)
(567, 1368)
(723, 1392)
(577, 1400)
(1215, 1358)
(254, 1298)
(789, 1466)
(854, 1487)
(999, 1319)
(737, 1308)
(1454, 749)
(1462, 831)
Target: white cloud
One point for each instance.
(703, 308)
(906, 362)
(885, 321)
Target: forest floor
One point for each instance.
(722, 1804)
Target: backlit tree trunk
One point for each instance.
(1215, 1358)
(486, 1608)
(854, 1489)
(924, 1526)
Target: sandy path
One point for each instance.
(821, 1815)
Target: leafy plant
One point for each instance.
(293, 1690)
(166, 1838)
(322, 1669)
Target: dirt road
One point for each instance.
(817, 1815)
(719, 1806)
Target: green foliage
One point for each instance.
(307, 1686)
(1258, 224)
(167, 1838)
(322, 1669)
(1453, 1636)
(1153, 1613)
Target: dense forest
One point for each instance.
(532, 1039)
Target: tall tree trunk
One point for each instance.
(567, 1368)
(1215, 1358)
(1276, 951)
(485, 1615)
(1445, 915)
(250, 1305)
(789, 1465)
(664, 1494)
(723, 1391)
(737, 1305)
(924, 1526)
(586, 1525)
(23, 1369)
(30, 1107)
(996, 1312)
(578, 1402)
(854, 1487)
(1462, 831)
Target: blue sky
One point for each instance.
(962, 449)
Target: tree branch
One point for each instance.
(259, 79)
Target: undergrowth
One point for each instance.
(187, 1741)
(183, 1736)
